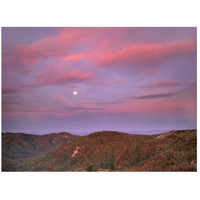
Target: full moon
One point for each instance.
(75, 92)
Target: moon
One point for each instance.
(75, 92)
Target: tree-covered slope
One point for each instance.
(17, 147)
(114, 151)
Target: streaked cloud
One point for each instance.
(156, 96)
(160, 84)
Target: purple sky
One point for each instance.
(125, 78)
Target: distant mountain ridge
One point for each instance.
(84, 133)
(147, 132)
(143, 132)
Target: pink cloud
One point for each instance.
(94, 41)
(53, 76)
(56, 76)
(22, 58)
(99, 47)
(164, 106)
(149, 54)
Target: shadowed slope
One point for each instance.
(17, 147)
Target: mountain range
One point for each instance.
(100, 151)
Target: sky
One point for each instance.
(126, 79)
